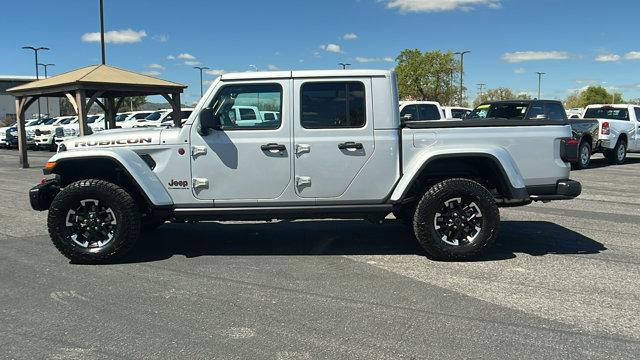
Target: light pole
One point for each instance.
(201, 68)
(540, 82)
(481, 86)
(46, 75)
(461, 53)
(344, 65)
(102, 34)
(35, 50)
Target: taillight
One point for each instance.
(604, 129)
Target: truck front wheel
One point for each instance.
(456, 219)
(93, 221)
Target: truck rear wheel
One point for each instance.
(93, 221)
(618, 155)
(456, 219)
(584, 156)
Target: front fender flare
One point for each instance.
(498, 155)
(137, 170)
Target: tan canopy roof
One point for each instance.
(114, 81)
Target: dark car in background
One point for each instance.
(578, 149)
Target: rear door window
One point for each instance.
(555, 111)
(429, 112)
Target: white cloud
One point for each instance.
(520, 56)
(160, 38)
(151, 73)
(186, 56)
(116, 36)
(361, 59)
(608, 58)
(331, 48)
(520, 70)
(214, 72)
(192, 62)
(171, 57)
(272, 67)
(405, 6)
(349, 36)
(156, 66)
(632, 55)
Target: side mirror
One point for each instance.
(208, 120)
(407, 117)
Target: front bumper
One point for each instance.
(563, 190)
(41, 196)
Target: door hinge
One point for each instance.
(198, 150)
(302, 148)
(200, 183)
(303, 181)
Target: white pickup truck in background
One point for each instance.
(421, 111)
(456, 112)
(619, 129)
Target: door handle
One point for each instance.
(273, 147)
(350, 145)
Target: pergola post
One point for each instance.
(22, 136)
(81, 102)
(110, 114)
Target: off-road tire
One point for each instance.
(613, 156)
(127, 216)
(583, 163)
(434, 199)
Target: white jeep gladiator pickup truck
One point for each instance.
(619, 129)
(337, 149)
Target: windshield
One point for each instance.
(66, 121)
(38, 122)
(121, 117)
(50, 121)
(155, 115)
(91, 119)
(499, 110)
(607, 113)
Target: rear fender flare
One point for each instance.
(500, 156)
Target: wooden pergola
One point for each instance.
(87, 86)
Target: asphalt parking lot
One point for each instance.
(562, 282)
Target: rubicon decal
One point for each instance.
(178, 184)
(129, 141)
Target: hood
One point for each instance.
(116, 138)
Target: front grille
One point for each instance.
(59, 132)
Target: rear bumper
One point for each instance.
(562, 190)
(41, 195)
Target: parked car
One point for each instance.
(163, 117)
(421, 111)
(44, 133)
(619, 129)
(129, 119)
(11, 136)
(579, 147)
(327, 156)
(3, 134)
(455, 112)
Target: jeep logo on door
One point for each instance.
(178, 184)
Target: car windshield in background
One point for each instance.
(499, 110)
(155, 115)
(121, 117)
(92, 119)
(66, 121)
(607, 113)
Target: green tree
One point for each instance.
(431, 75)
(501, 93)
(131, 103)
(592, 95)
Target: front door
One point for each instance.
(333, 135)
(249, 157)
(637, 125)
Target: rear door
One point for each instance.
(637, 125)
(333, 134)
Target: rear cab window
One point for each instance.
(326, 105)
(607, 112)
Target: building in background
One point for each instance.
(8, 102)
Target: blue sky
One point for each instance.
(510, 39)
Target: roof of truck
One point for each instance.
(304, 74)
